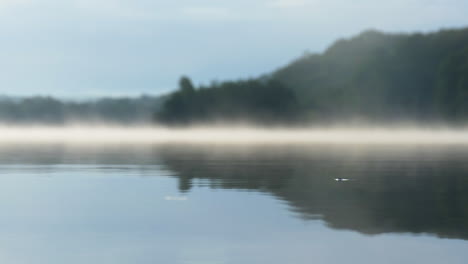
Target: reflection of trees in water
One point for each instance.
(418, 190)
(226, 168)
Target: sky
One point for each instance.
(93, 48)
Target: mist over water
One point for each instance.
(355, 150)
(252, 203)
(81, 134)
(237, 197)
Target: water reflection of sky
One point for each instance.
(105, 216)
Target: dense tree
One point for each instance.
(384, 77)
(186, 86)
(452, 87)
(248, 100)
(373, 77)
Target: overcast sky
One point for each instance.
(88, 48)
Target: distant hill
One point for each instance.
(373, 77)
(380, 76)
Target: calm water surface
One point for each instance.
(233, 204)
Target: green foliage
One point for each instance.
(452, 87)
(250, 100)
(384, 77)
(373, 77)
(186, 86)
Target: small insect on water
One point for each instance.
(342, 179)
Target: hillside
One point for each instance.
(373, 77)
(380, 76)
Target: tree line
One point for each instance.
(374, 76)
(49, 110)
(255, 100)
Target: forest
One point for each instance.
(268, 102)
(372, 77)
(52, 111)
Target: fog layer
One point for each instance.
(230, 135)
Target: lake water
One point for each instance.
(232, 203)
